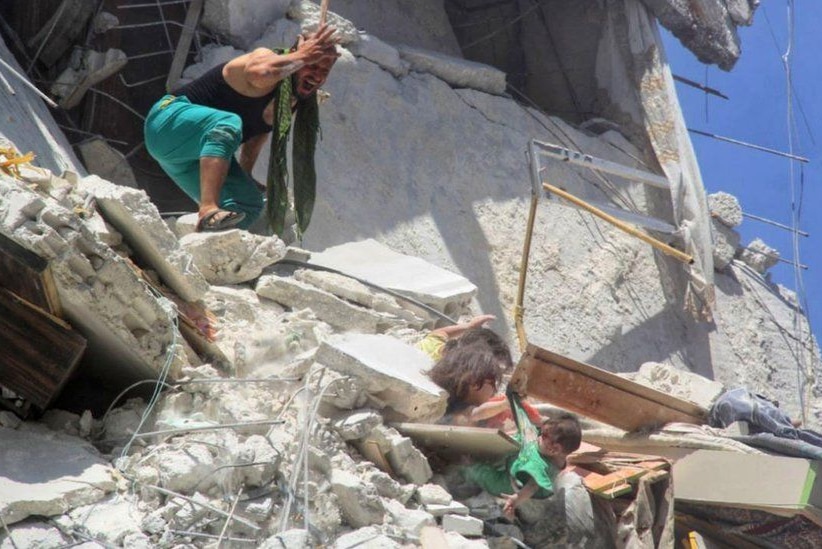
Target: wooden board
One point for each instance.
(39, 351)
(597, 394)
(453, 439)
(28, 275)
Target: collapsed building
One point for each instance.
(290, 398)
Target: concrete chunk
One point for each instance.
(365, 538)
(410, 520)
(390, 370)
(386, 56)
(359, 503)
(725, 208)
(433, 494)
(453, 508)
(102, 159)
(726, 242)
(357, 424)
(232, 257)
(328, 308)
(132, 213)
(459, 73)
(87, 68)
(369, 260)
(48, 474)
(464, 525)
(242, 22)
(759, 256)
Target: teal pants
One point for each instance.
(178, 133)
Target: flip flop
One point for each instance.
(210, 223)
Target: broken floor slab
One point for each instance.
(232, 257)
(103, 160)
(391, 371)
(86, 69)
(133, 214)
(48, 474)
(411, 276)
(131, 334)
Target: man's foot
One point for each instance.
(219, 220)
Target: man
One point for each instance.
(195, 133)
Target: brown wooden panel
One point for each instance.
(28, 275)
(600, 395)
(39, 351)
(448, 439)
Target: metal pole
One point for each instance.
(750, 145)
(28, 84)
(699, 86)
(775, 224)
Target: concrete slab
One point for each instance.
(459, 73)
(133, 214)
(48, 475)
(390, 370)
(232, 257)
(410, 276)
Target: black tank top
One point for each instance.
(213, 91)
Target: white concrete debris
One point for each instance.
(242, 23)
(680, 383)
(390, 370)
(365, 538)
(726, 243)
(360, 504)
(234, 256)
(375, 50)
(357, 424)
(329, 308)
(48, 474)
(405, 459)
(134, 215)
(308, 15)
(759, 256)
(296, 538)
(459, 73)
(102, 296)
(103, 160)
(34, 535)
(87, 68)
(281, 35)
(107, 521)
(465, 525)
(456, 541)
(453, 508)
(725, 208)
(369, 260)
(433, 494)
(410, 520)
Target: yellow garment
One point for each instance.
(432, 345)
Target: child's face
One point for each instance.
(480, 394)
(547, 446)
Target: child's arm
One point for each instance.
(513, 501)
(489, 409)
(450, 332)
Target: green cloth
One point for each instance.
(306, 128)
(514, 472)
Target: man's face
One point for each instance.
(311, 77)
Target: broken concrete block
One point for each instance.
(103, 160)
(182, 470)
(725, 208)
(403, 457)
(428, 494)
(741, 11)
(726, 242)
(308, 14)
(48, 475)
(107, 521)
(365, 538)
(352, 290)
(369, 260)
(457, 541)
(131, 333)
(232, 257)
(281, 35)
(242, 23)
(386, 56)
(258, 450)
(328, 308)
(359, 503)
(87, 68)
(410, 520)
(759, 256)
(453, 508)
(132, 213)
(357, 424)
(104, 22)
(391, 370)
(296, 538)
(680, 383)
(459, 73)
(464, 525)
(32, 534)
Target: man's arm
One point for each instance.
(250, 150)
(266, 68)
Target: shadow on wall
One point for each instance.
(655, 340)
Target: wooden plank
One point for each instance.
(178, 63)
(598, 394)
(28, 275)
(452, 439)
(40, 351)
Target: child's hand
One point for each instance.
(511, 501)
(479, 321)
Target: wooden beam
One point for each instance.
(597, 394)
(178, 63)
(40, 351)
(28, 275)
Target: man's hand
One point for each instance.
(319, 45)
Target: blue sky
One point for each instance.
(757, 112)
